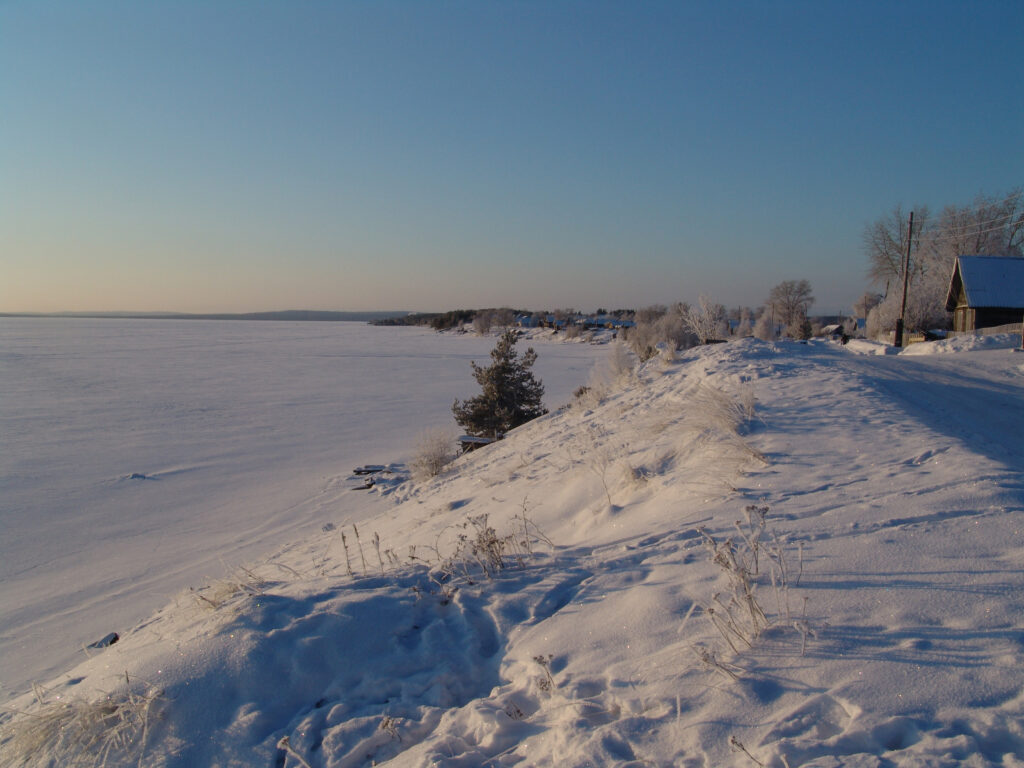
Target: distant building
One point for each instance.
(834, 331)
(527, 321)
(986, 291)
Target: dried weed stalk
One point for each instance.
(73, 731)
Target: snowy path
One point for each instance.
(902, 484)
(981, 405)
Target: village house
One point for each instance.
(985, 292)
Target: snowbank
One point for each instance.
(966, 343)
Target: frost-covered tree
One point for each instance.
(791, 299)
(511, 395)
(764, 328)
(642, 339)
(482, 322)
(926, 305)
(866, 303)
(657, 325)
(745, 327)
(706, 321)
(991, 225)
(649, 314)
(801, 329)
(671, 327)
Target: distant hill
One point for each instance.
(299, 315)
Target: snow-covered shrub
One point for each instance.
(667, 353)
(642, 339)
(800, 329)
(482, 322)
(435, 450)
(656, 326)
(746, 326)
(763, 327)
(618, 365)
(706, 321)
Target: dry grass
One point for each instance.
(435, 450)
(74, 731)
(716, 416)
(239, 582)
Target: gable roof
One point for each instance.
(988, 281)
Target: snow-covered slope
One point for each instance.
(778, 554)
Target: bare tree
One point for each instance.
(885, 242)
(649, 314)
(790, 299)
(564, 316)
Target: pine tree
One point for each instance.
(511, 395)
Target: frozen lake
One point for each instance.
(239, 435)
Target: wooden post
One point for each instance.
(898, 341)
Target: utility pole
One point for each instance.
(898, 341)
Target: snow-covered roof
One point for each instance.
(989, 281)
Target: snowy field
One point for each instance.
(139, 457)
(758, 554)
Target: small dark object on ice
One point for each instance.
(367, 485)
(105, 641)
(369, 469)
(137, 476)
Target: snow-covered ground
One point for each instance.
(139, 457)
(778, 554)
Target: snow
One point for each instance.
(966, 343)
(889, 575)
(991, 281)
(141, 456)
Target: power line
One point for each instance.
(986, 222)
(964, 235)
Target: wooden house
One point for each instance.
(985, 292)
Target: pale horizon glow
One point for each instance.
(229, 157)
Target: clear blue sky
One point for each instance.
(235, 156)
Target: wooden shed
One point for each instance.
(986, 291)
(471, 443)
